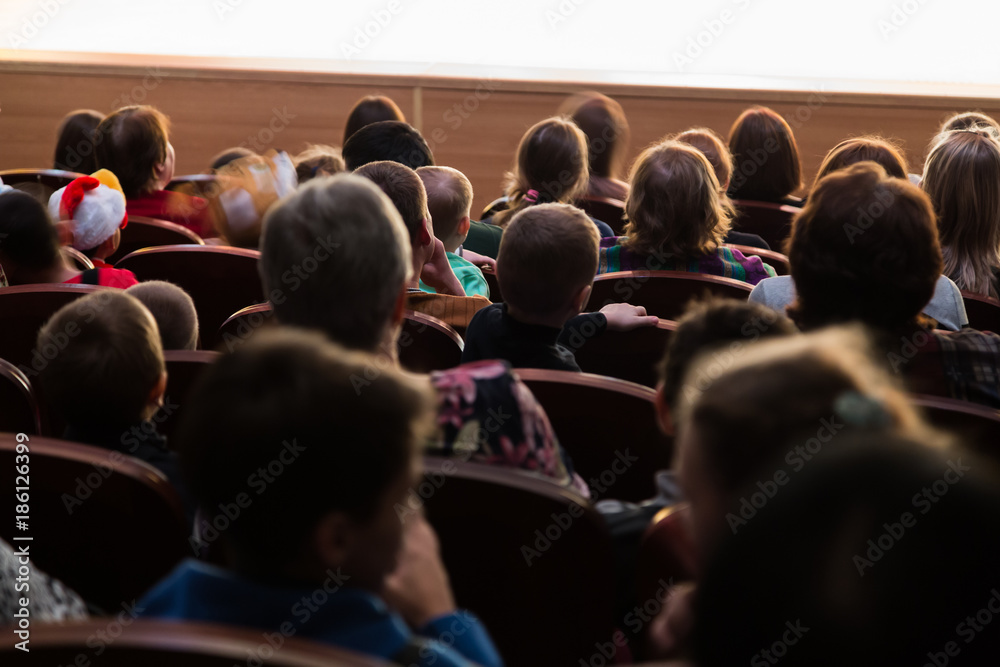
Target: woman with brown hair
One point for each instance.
(551, 168)
(603, 121)
(869, 148)
(371, 109)
(766, 158)
(677, 220)
(962, 177)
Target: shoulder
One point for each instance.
(117, 278)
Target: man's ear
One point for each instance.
(663, 415)
(426, 238)
(333, 538)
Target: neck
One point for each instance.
(554, 320)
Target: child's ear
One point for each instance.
(155, 399)
(400, 307)
(463, 226)
(108, 247)
(426, 237)
(663, 415)
(333, 538)
(580, 300)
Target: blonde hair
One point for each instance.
(449, 198)
(674, 203)
(547, 253)
(318, 160)
(962, 177)
(552, 160)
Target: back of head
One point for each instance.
(873, 555)
(318, 160)
(674, 204)
(864, 149)
(387, 140)
(766, 156)
(174, 312)
(131, 142)
(603, 120)
(551, 166)
(284, 414)
(724, 326)
(865, 249)
(75, 145)
(967, 121)
(547, 255)
(29, 241)
(402, 185)
(335, 256)
(962, 177)
(449, 198)
(104, 358)
(712, 147)
(371, 109)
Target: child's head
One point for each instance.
(968, 120)
(449, 200)
(864, 149)
(865, 249)
(75, 145)
(326, 449)
(349, 233)
(105, 363)
(371, 109)
(552, 166)
(712, 147)
(387, 140)
(174, 312)
(962, 177)
(134, 143)
(29, 242)
(96, 206)
(318, 160)
(402, 185)
(674, 203)
(766, 156)
(603, 121)
(547, 262)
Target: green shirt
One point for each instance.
(468, 274)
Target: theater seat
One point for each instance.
(244, 323)
(39, 183)
(107, 525)
(427, 344)
(533, 560)
(184, 367)
(772, 222)
(605, 209)
(977, 426)
(665, 294)
(608, 427)
(18, 404)
(221, 280)
(124, 642)
(142, 232)
(666, 552)
(496, 296)
(983, 311)
(76, 258)
(627, 355)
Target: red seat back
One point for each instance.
(18, 404)
(221, 280)
(184, 368)
(605, 209)
(39, 183)
(427, 344)
(143, 232)
(665, 294)
(983, 312)
(608, 427)
(627, 355)
(242, 324)
(772, 222)
(107, 525)
(977, 426)
(530, 558)
(666, 552)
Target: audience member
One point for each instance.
(767, 166)
(318, 160)
(223, 158)
(967, 121)
(603, 121)
(94, 209)
(371, 109)
(868, 148)
(174, 312)
(387, 140)
(75, 143)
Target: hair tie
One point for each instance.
(861, 410)
(531, 196)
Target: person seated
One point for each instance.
(174, 312)
(93, 208)
(449, 202)
(387, 140)
(546, 269)
(449, 303)
(75, 143)
(968, 120)
(962, 178)
(766, 158)
(318, 160)
(348, 461)
(228, 155)
(551, 167)
(859, 560)
(603, 121)
(946, 307)
(29, 252)
(371, 109)
(677, 220)
(359, 301)
(109, 379)
(714, 148)
(134, 143)
(882, 270)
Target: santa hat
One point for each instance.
(95, 204)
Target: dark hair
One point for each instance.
(229, 155)
(289, 402)
(75, 145)
(371, 109)
(864, 149)
(859, 561)
(387, 140)
(402, 185)
(865, 248)
(28, 239)
(131, 142)
(709, 325)
(967, 121)
(603, 121)
(765, 156)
